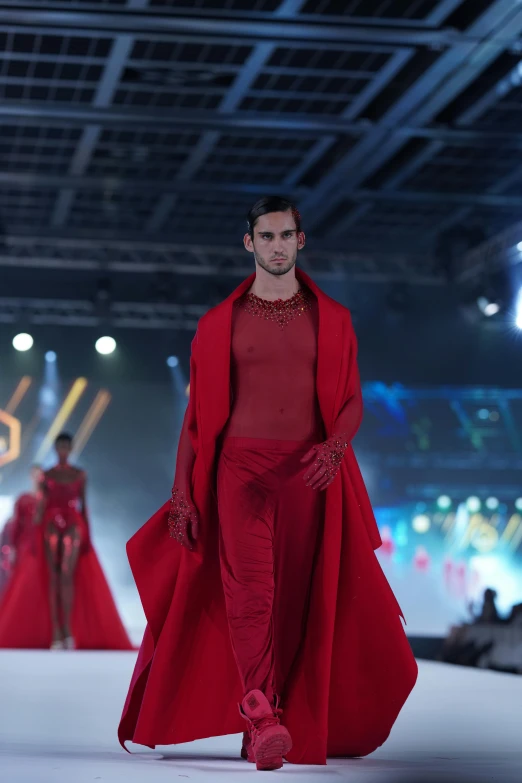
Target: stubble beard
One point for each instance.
(277, 271)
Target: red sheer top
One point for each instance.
(64, 505)
(63, 494)
(272, 373)
(273, 381)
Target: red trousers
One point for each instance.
(269, 526)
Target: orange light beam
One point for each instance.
(91, 420)
(18, 394)
(87, 426)
(15, 429)
(62, 416)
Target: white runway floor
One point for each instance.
(59, 711)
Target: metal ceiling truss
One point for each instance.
(470, 115)
(75, 312)
(504, 86)
(104, 96)
(203, 261)
(254, 79)
(259, 57)
(113, 185)
(257, 124)
(499, 251)
(497, 29)
(279, 26)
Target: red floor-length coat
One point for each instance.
(355, 669)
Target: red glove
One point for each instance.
(183, 519)
(328, 457)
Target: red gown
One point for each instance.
(6, 555)
(355, 667)
(24, 610)
(17, 537)
(23, 530)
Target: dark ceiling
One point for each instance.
(394, 124)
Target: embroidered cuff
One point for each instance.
(180, 515)
(331, 454)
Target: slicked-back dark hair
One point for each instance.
(269, 204)
(64, 437)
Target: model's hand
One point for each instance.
(183, 519)
(327, 458)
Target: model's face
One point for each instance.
(63, 449)
(276, 242)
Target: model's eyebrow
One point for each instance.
(284, 231)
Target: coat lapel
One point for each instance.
(214, 372)
(330, 353)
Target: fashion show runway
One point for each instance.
(59, 713)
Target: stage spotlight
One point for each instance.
(483, 414)
(494, 293)
(106, 345)
(23, 342)
(50, 356)
(173, 361)
(519, 246)
(492, 504)
(488, 306)
(518, 317)
(421, 523)
(473, 504)
(444, 502)
(518, 504)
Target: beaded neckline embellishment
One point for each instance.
(282, 311)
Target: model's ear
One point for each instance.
(247, 241)
(301, 240)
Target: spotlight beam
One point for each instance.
(62, 416)
(518, 318)
(91, 420)
(18, 394)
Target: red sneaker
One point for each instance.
(246, 748)
(270, 740)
